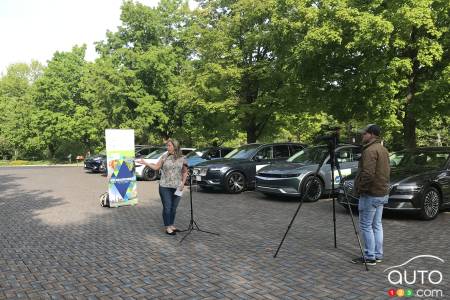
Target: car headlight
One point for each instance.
(200, 171)
(408, 188)
(292, 175)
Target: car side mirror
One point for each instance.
(358, 156)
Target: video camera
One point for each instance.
(331, 138)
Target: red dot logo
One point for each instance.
(392, 293)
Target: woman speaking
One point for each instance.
(174, 172)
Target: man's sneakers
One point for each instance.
(369, 262)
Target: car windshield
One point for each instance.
(243, 152)
(309, 156)
(197, 153)
(156, 154)
(144, 150)
(422, 159)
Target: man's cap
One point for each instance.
(373, 129)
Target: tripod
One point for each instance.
(192, 224)
(333, 141)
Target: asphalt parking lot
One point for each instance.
(58, 243)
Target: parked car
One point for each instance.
(186, 151)
(298, 174)
(146, 173)
(95, 163)
(145, 150)
(236, 171)
(420, 182)
(204, 154)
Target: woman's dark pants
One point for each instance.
(170, 203)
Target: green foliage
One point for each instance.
(57, 96)
(236, 71)
(146, 59)
(16, 109)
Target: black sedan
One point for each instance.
(95, 163)
(203, 154)
(236, 172)
(420, 181)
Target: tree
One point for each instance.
(235, 67)
(58, 96)
(149, 56)
(371, 61)
(16, 109)
(421, 33)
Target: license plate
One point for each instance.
(198, 178)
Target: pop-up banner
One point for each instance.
(122, 187)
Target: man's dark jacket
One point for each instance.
(373, 170)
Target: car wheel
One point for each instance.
(430, 204)
(313, 188)
(235, 182)
(149, 174)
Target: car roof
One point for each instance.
(217, 147)
(337, 146)
(274, 144)
(427, 149)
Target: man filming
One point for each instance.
(372, 188)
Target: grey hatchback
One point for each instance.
(292, 177)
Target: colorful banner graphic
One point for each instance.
(122, 187)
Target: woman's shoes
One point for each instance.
(171, 232)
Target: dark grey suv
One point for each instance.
(236, 172)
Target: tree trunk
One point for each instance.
(51, 151)
(409, 121)
(249, 95)
(251, 130)
(409, 129)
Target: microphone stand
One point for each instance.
(192, 223)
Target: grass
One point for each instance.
(12, 163)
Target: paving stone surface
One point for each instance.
(56, 242)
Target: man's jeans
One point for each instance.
(170, 202)
(370, 214)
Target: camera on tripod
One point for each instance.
(331, 138)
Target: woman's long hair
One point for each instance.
(176, 148)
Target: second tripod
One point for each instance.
(332, 141)
(192, 223)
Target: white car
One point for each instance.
(145, 172)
